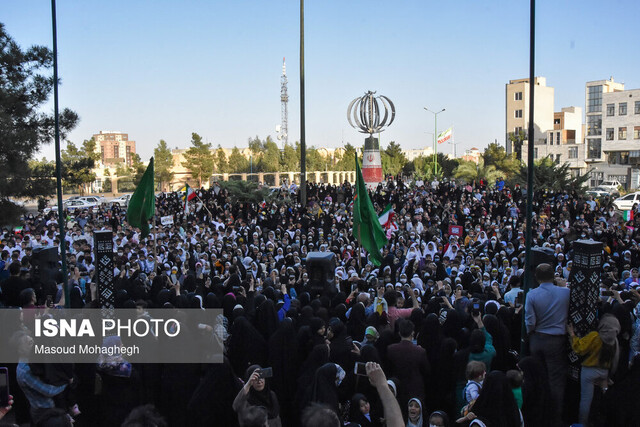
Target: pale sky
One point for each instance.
(163, 69)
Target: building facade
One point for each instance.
(617, 156)
(517, 111)
(115, 147)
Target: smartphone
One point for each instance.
(49, 300)
(475, 308)
(606, 293)
(266, 372)
(4, 387)
(360, 368)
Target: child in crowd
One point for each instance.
(475, 373)
(515, 380)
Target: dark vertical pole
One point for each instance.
(61, 221)
(528, 269)
(303, 141)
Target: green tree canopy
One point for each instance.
(199, 159)
(220, 160)
(392, 159)
(346, 162)
(25, 87)
(517, 139)
(290, 159)
(551, 175)
(237, 162)
(163, 162)
(470, 172)
(496, 155)
(78, 165)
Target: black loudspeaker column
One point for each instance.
(321, 268)
(45, 264)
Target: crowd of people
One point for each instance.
(432, 336)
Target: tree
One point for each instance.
(553, 176)
(290, 159)
(107, 184)
(347, 160)
(163, 163)
(25, 86)
(199, 159)
(237, 162)
(470, 172)
(137, 168)
(423, 166)
(517, 139)
(78, 165)
(496, 155)
(392, 159)
(270, 157)
(220, 160)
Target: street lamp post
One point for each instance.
(435, 136)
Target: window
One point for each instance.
(557, 158)
(558, 138)
(596, 178)
(535, 153)
(116, 152)
(610, 133)
(611, 109)
(594, 99)
(622, 133)
(517, 130)
(518, 96)
(518, 114)
(622, 109)
(636, 132)
(594, 125)
(551, 138)
(128, 149)
(594, 148)
(573, 152)
(637, 108)
(618, 158)
(556, 121)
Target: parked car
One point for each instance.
(93, 199)
(610, 186)
(120, 201)
(598, 192)
(625, 203)
(71, 205)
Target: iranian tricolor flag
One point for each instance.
(189, 195)
(387, 220)
(628, 215)
(445, 136)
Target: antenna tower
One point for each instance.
(284, 100)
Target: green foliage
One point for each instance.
(199, 159)
(25, 87)
(422, 167)
(315, 160)
(392, 159)
(470, 172)
(237, 162)
(245, 191)
(137, 168)
(78, 165)
(517, 139)
(346, 162)
(290, 159)
(550, 175)
(496, 155)
(163, 162)
(107, 185)
(269, 158)
(220, 160)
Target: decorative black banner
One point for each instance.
(104, 268)
(585, 291)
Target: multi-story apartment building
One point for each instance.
(517, 111)
(114, 147)
(613, 133)
(564, 143)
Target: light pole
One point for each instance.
(435, 136)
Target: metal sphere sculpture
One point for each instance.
(366, 111)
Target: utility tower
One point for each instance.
(284, 100)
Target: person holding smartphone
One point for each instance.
(256, 393)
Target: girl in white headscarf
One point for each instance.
(431, 249)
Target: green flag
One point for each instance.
(366, 226)
(142, 205)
